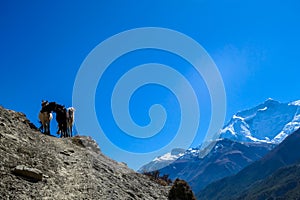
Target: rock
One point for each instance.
(64, 168)
(27, 172)
(70, 150)
(86, 142)
(65, 153)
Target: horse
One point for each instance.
(70, 120)
(61, 116)
(45, 118)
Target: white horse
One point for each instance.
(70, 120)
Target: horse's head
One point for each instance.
(49, 107)
(71, 110)
(44, 103)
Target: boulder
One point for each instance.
(29, 173)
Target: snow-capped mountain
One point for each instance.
(269, 122)
(162, 161)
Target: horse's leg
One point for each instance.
(69, 131)
(59, 130)
(66, 131)
(63, 130)
(46, 129)
(49, 128)
(41, 128)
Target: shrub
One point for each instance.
(162, 180)
(181, 191)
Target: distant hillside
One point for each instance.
(282, 184)
(225, 158)
(36, 166)
(250, 180)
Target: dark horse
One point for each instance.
(61, 117)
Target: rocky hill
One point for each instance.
(36, 166)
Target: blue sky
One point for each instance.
(255, 45)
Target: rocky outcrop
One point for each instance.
(36, 166)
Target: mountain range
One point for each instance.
(269, 122)
(247, 137)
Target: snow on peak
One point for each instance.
(263, 109)
(295, 103)
(237, 117)
(168, 157)
(270, 100)
(269, 122)
(162, 161)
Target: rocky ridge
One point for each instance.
(36, 166)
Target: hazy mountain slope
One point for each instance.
(286, 153)
(282, 184)
(226, 158)
(36, 166)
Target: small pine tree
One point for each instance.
(181, 191)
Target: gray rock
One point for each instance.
(68, 168)
(27, 172)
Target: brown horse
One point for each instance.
(45, 118)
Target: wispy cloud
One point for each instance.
(238, 64)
